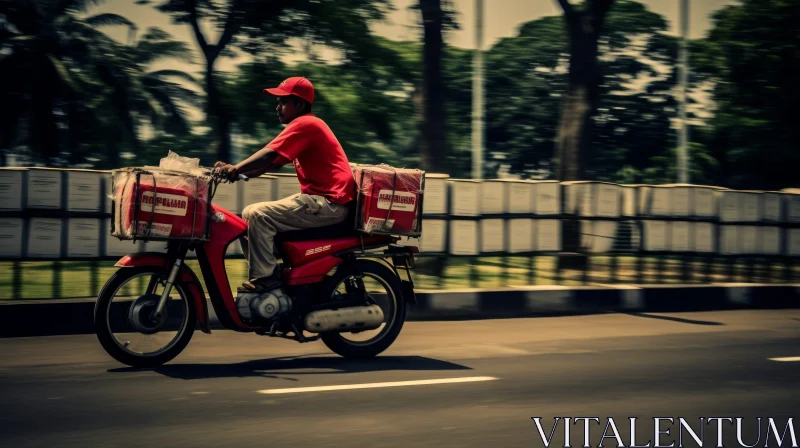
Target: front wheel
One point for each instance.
(123, 317)
(383, 287)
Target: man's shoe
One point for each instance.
(260, 285)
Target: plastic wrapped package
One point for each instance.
(389, 200)
(160, 204)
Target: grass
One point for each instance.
(38, 279)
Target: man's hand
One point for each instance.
(228, 171)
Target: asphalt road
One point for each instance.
(65, 392)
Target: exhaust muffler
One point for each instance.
(355, 318)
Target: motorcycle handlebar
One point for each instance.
(213, 173)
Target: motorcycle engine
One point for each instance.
(267, 305)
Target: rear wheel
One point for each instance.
(383, 287)
(123, 317)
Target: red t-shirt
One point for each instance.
(321, 164)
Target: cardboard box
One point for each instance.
(433, 239)
(547, 235)
(464, 197)
(703, 237)
(227, 196)
(770, 240)
(793, 244)
(84, 190)
(655, 236)
(464, 237)
(83, 237)
(11, 180)
(492, 235)
(176, 207)
(546, 198)
(772, 207)
(680, 239)
(678, 200)
(740, 240)
(681, 201)
(655, 201)
(748, 240)
(740, 206)
(288, 185)
(154, 246)
(258, 189)
(520, 235)
(234, 249)
(793, 207)
(391, 200)
(598, 236)
(435, 194)
(705, 202)
(114, 247)
(108, 192)
(11, 237)
(493, 197)
(44, 238)
(728, 242)
(519, 194)
(45, 187)
(751, 206)
(593, 199)
(630, 203)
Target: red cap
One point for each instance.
(297, 86)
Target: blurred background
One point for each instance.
(627, 92)
(103, 84)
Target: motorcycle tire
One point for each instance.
(347, 349)
(105, 334)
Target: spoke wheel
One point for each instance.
(125, 323)
(383, 288)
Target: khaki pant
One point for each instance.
(265, 219)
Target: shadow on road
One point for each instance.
(310, 365)
(677, 319)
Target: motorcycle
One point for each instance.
(341, 286)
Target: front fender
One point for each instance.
(186, 275)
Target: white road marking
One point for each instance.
(292, 390)
(788, 359)
(199, 393)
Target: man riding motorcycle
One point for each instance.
(327, 183)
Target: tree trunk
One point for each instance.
(217, 116)
(573, 143)
(574, 140)
(434, 144)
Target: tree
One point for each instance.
(136, 98)
(47, 65)
(433, 127)
(260, 26)
(526, 74)
(372, 120)
(580, 102)
(752, 53)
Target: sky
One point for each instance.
(501, 19)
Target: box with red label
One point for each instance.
(390, 200)
(160, 205)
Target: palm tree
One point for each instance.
(139, 98)
(70, 88)
(46, 63)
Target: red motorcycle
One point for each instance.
(340, 285)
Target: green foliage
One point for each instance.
(753, 54)
(75, 95)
